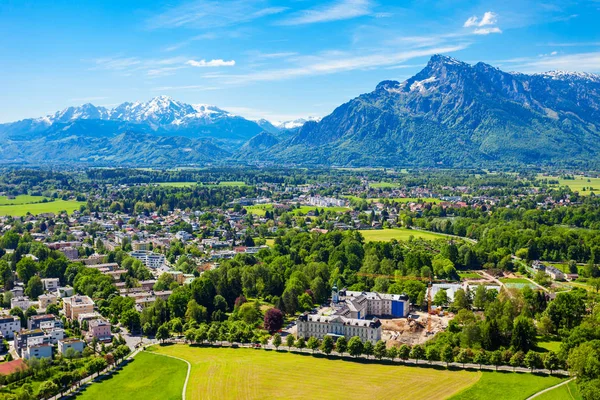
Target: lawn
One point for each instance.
(506, 385)
(469, 275)
(517, 283)
(178, 184)
(21, 199)
(570, 391)
(148, 376)
(545, 345)
(55, 207)
(222, 373)
(383, 185)
(384, 235)
(259, 209)
(303, 210)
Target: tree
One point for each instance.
(355, 346)
(392, 353)
(327, 345)
(461, 301)
(195, 312)
(447, 355)
(481, 358)
(35, 287)
(404, 352)
(368, 349)
(463, 357)
(517, 359)
(496, 358)
(379, 351)
(96, 365)
(48, 389)
(551, 361)
(480, 298)
(273, 320)
(131, 319)
(26, 268)
(277, 340)
(212, 334)
(417, 352)
(524, 334)
(250, 313)
(163, 332)
(432, 354)
(313, 343)
(289, 341)
(341, 345)
(533, 360)
(441, 298)
(300, 343)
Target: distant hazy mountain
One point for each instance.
(296, 123)
(203, 127)
(453, 113)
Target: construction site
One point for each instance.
(416, 329)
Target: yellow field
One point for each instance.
(220, 373)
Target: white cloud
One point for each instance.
(487, 31)
(211, 63)
(208, 14)
(339, 10)
(335, 62)
(582, 62)
(488, 19)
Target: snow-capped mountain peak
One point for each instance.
(562, 75)
(296, 123)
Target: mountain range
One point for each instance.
(449, 114)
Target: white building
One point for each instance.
(51, 284)
(38, 351)
(70, 343)
(9, 324)
(319, 326)
(359, 305)
(149, 259)
(22, 302)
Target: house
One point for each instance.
(70, 343)
(65, 291)
(9, 324)
(47, 299)
(70, 252)
(359, 305)
(555, 273)
(99, 329)
(38, 351)
(22, 302)
(51, 284)
(75, 305)
(149, 259)
(43, 321)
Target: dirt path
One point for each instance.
(550, 388)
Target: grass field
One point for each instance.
(303, 210)
(21, 199)
(384, 235)
(55, 206)
(148, 376)
(578, 184)
(259, 209)
(469, 275)
(506, 385)
(545, 345)
(383, 185)
(178, 184)
(518, 283)
(257, 374)
(570, 391)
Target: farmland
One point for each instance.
(55, 207)
(384, 235)
(583, 185)
(226, 373)
(220, 373)
(21, 199)
(259, 209)
(190, 184)
(142, 378)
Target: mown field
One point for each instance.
(56, 206)
(259, 209)
(219, 373)
(398, 199)
(303, 210)
(189, 184)
(570, 391)
(384, 235)
(225, 373)
(581, 184)
(148, 376)
(21, 199)
(506, 385)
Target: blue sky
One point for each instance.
(266, 58)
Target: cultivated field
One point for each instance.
(56, 206)
(259, 209)
(303, 210)
(384, 235)
(579, 184)
(219, 373)
(148, 376)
